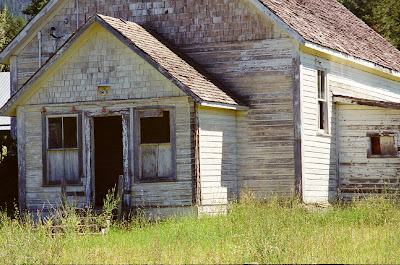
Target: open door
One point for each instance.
(108, 155)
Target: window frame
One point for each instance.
(137, 142)
(324, 101)
(45, 147)
(383, 134)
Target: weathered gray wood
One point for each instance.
(120, 194)
(126, 160)
(148, 158)
(89, 163)
(164, 161)
(298, 164)
(13, 89)
(21, 158)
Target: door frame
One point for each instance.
(89, 151)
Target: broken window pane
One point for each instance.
(383, 146)
(155, 130)
(70, 132)
(375, 145)
(55, 133)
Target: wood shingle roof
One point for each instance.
(331, 25)
(178, 68)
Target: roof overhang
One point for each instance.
(313, 46)
(340, 56)
(347, 99)
(30, 30)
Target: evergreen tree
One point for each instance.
(34, 7)
(381, 15)
(10, 26)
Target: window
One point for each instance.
(322, 102)
(382, 145)
(156, 145)
(61, 152)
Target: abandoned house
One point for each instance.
(195, 101)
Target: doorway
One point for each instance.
(108, 155)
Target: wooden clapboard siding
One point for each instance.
(320, 171)
(162, 194)
(260, 72)
(179, 192)
(218, 159)
(358, 173)
(318, 151)
(134, 84)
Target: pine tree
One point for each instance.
(10, 26)
(34, 7)
(381, 15)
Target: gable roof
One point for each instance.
(322, 22)
(4, 96)
(139, 40)
(200, 87)
(331, 25)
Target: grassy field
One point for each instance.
(274, 232)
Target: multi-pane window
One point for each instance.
(322, 102)
(62, 150)
(156, 152)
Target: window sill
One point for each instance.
(382, 156)
(59, 185)
(154, 180)
(323, 134)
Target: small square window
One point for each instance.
(382, 145)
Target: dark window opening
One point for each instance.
(154, 130)
(382, 146)
(321, 115)
(376, 145)
(63, 133)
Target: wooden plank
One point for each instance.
(21, 148)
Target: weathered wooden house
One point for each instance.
(195, 102)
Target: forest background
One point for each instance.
(381, 15)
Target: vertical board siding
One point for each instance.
(359, 174)
(260, 72)
(218, 159)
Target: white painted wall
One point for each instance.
(320, 152)
(218, 159)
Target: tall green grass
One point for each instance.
(252, 231)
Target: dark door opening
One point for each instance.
(108, 155)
